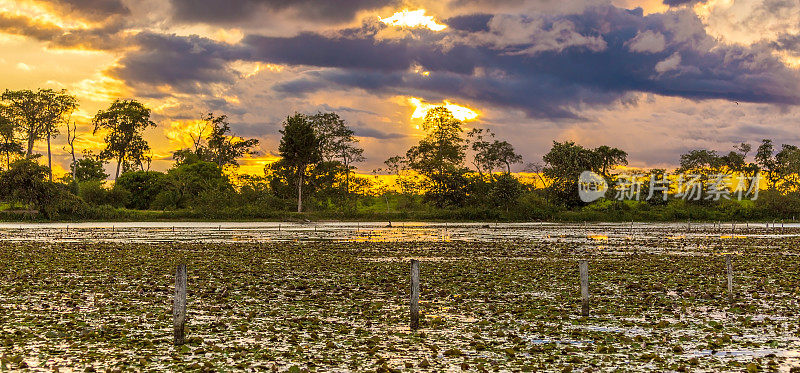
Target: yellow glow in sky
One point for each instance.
(39, 13)
(413, 19)
(461, 113)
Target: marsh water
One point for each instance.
(233, 232)
(332, 295)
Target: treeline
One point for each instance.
(449, 174)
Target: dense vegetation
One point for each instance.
(450, 174)
(659, 302)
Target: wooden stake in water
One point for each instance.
(179, 304)
(583, 265)
(414, 294)
(729, 269)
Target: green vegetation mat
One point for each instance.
(657, 303)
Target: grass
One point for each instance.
(659, 302)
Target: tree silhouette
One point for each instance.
(9, 145)
(300, 148)
(124, 120)
(219, 146)
(337, 142)
(38, 115)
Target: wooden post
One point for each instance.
(584, 270)
(729, 268)
(414, 294)
(179, 304)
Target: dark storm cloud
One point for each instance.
(682, 2)
(231, 11)
(545, 65)
(187, 64)
(789, 43)
(317, 50)
(470, 23)
(549, 83)
(362, 131)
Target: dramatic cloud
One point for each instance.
(94, 10)
(536, 70)
(670, 63)
(647, 42)
(547, 66)
(21, 25)
(230, 11)
(788, 43)
(187, 64)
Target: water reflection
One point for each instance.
(231, 232)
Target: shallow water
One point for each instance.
(233, 232)
(658, 295)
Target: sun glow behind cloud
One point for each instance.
(40, 14)
(461, 113)
(413, 19)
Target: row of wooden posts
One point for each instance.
(179, 302)
(718, 225)
(714, 225)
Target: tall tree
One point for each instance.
(38, 115)
(442, 148)
(215, 143)
(765, 158)
(124, 121)
(478, 143)
(610, 157)
(9, 145)
(563, 165)
(439, 156)
(72, 135)
(490, 155)
(226, 147)
(337, 142)
(299, 148)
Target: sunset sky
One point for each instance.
(655, 78)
